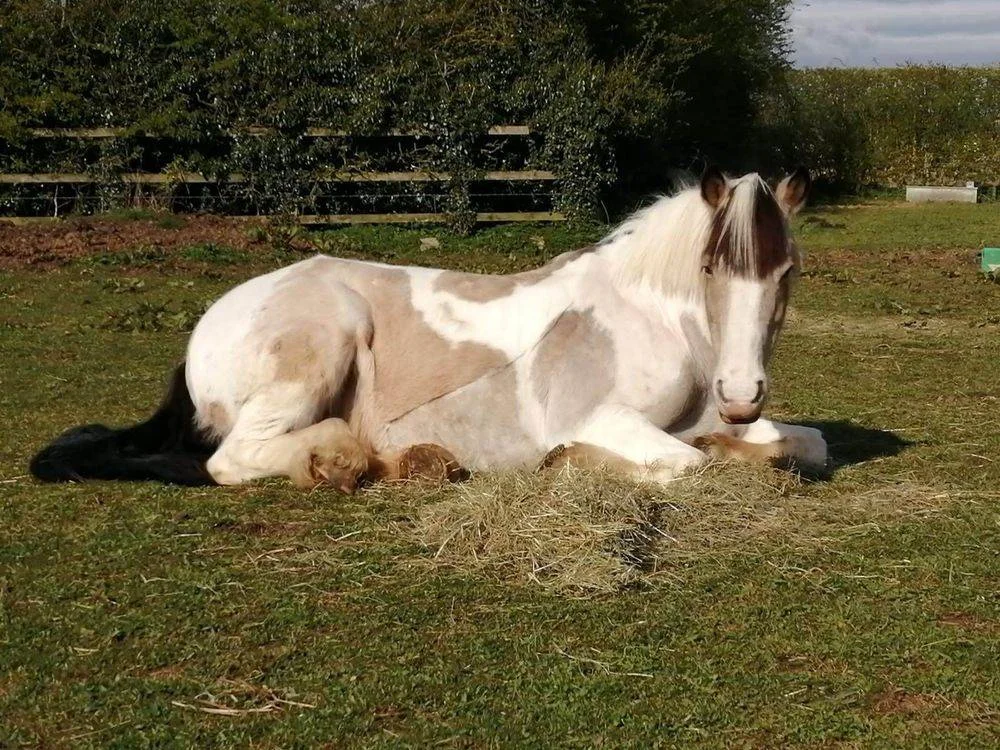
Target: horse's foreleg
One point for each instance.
(765, 441)
(264, 443)
(622, 440)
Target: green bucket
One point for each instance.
(991, 259)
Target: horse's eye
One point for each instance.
(707, 270)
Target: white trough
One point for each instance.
(933, 194)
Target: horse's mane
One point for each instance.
(666, 244)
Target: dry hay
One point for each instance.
(585, 533)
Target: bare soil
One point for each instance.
(57, 243)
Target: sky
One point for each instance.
(874, 33)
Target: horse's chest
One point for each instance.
(657, 377)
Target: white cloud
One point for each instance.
(893, 32)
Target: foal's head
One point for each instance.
(748, 262)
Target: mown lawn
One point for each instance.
(861, 610)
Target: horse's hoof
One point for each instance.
(432, 463)
(716, 446)
(340, 469)
(553, 459)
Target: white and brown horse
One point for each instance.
(645, 353)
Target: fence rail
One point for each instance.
(484, 217)
(196, 178)
(254, 130)
(169, 179)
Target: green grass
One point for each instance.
(859, 611)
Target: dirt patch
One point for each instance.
(895, 702)
(898, 326)
(262, 529)
(168, 673)
(57, 243)
(970, 622)
(930, 710)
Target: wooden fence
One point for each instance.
(173, 179)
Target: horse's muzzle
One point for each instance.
(740, 412)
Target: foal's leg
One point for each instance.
(623, 440)
(770, 442)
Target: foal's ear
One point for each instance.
(793, 191)
(713, 186)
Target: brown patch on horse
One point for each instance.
(587, 456)
(295, 356)
(574, 366)
(452, 418)
(770, 239)
(413, 363)
(473, 287)
(215, 418)
(777, 321)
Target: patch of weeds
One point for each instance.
(153, 317)
(258, 234)
(209, 252)
(890, 306)
(132, 214)
(125, 285)
(9, 291)
(989, 320)
(837, 277)
(137, 257)
(171, 221)
(281, 235)
(822, 223)
(20, 325)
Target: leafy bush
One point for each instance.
(890, 127)
(613, 87)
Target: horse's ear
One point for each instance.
(793, 191)
(713, 186)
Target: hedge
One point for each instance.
(615, 87)
(889, 127)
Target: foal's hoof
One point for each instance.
(432, 463)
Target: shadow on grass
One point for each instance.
(851, 443)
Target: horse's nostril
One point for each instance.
(760, 392)
(719, 393)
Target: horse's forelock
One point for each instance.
(749, 235)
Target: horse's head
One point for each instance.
(747, 264)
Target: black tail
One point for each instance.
(167, 447)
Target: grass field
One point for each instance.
(860, 610)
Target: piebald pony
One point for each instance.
(645, 353)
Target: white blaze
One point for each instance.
(741, 356)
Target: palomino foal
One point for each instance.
(630, 354)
